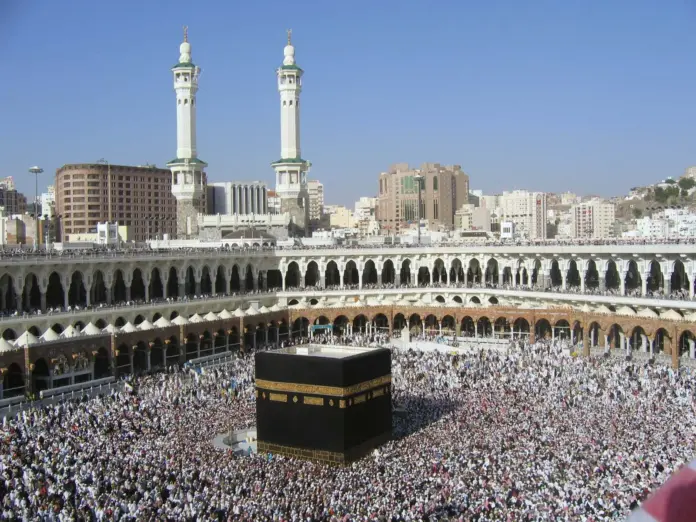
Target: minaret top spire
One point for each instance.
(185, 48)
(289, 51)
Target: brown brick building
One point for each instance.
(14, 202)
(141, 198)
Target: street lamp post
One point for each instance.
(108, 188)
(36, 171)
(419, 180)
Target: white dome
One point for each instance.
(26, 339)
(195, 318)
(5, 346)
(289, 53)
(179, 320)
(671, 314)
(225, 315)
(210, 316)
(110, 328)
(264, 310)
(128, 328)
(49, 335)
(91, 329)
(70, 331)
(239, 312)
(146, 325)
(602, 309)
(626, 310)
(162, 323)
(647, 312)
(251, 311)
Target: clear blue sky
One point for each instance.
(588, 96)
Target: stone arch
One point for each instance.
(221, 286)
(415, 324)
(439, 273)
(350, 274)
(615, 334)
(536, 271)
(633, 279)
(492, 271)
(13, 381)
(369, 275)
(173, 315)
(332, 277)
(360, 323)
(77, 295)
(189, 281)
(100, 323)
(423, 276)
(388, 272)
(274, 279)
(340, 325)
(155, 287)
(573, 274)
(98, 293)
(40, 375)
(662, 341)
(542, 329)
(9, 334)
(687, 342)
(468, 326)
(138, 319)
(249, 279)
(555, 274)
(457, 299)
(493, 300)
(119, 287)
(405, 277)
(292, 276)
(311, 277)
(381, 322)
(137, 286)
(679, 281)
(449, 325)
(612, 279)
(484, 327)
(206, 281)
(55, 295)
(655, 281)
(475, 300)
(593, 332)
(639, 340)
(591, 275)
(502, 327)
(456, 273)
(173, 283)
(31, 293)
(399, 322)
(474, 273)
(122, 364)
(507, 276)
(236, 281)
(120, 321)
(520, 327)
(562, 329)
(432, 325)
(440, 299)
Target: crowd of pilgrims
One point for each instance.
(523, 434)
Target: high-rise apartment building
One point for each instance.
(140, 198)
(593, 219)
(527, 210)
(316, 199)
(48, 200)
(229, 198)
(444, 189)
(14, 202)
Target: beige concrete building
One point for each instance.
(140, 198)
(14, 202)
(316, 199)
(593, 219)
(444, 190)
(527, 210)
(339, 216)
(470, 218)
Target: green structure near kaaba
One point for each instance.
(324, 403)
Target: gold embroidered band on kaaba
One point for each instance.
(330, 391)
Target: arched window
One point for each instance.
(185, 102)
(291, 102)
(435, 183)
(284, 103)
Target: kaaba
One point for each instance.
(323, 403)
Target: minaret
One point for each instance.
(188, 178)
(291, 169)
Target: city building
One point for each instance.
(48, 201)
(273, 202)
(230, 197)
(139, 197)
(527, 210)
(339, 216)
(14, 203)
(187, 170)
(690, 172)
(669, 223)
(315, 189)
(593, 219)
(291, 169)
(443, 190)
(470, 217)
(365, 207)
